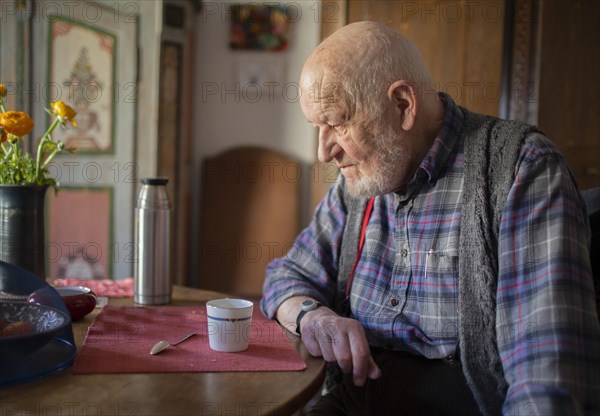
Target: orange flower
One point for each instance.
(64, 111)
(16, 123)
(19, 165)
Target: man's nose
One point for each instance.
(328, 146)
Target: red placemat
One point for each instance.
(122, 288)
(120, 339)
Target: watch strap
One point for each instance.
(301, 315)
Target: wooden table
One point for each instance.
(235, 393)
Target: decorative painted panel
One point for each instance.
(81, 72)
(79, 223)
(86, 56)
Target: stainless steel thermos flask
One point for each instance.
(152, 282)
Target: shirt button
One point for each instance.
(450, 360)
(394, 302)
(404, 252)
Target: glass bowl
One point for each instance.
(26, 327)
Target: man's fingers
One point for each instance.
(374, 370)
(318, 342)
(343, 353)
(343, 341)
(310, 339)
(361, 356)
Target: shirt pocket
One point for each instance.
(436, 285)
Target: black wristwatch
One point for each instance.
(307, 306)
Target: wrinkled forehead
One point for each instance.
(320, 91)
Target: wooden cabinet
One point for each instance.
(569, 84)
(461, 43)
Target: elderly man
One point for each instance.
(448, 270)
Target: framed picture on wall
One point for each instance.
(259, 27)
(81, 73)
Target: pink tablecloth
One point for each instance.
(122, 288)
(120, 339)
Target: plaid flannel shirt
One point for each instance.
(405, 290)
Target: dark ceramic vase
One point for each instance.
(22, 240)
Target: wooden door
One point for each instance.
(174, 156)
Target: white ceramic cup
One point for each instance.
(229, 324)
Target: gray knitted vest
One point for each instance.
(491, 147)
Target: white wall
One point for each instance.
(228, 111)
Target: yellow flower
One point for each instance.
(64, 111)
(16, 123)
(19, 165)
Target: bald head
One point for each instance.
(357, 64)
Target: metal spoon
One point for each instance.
(161, 345)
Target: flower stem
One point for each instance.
(40, 149)
(7, 152)
(38, 158)
(50, 157)
(52, 127)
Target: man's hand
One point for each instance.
(336, 339)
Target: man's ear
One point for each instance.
(403, 98)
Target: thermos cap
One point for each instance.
(153, 194)
(154, 181)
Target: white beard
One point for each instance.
(388, 157)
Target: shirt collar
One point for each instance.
(438, 154)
